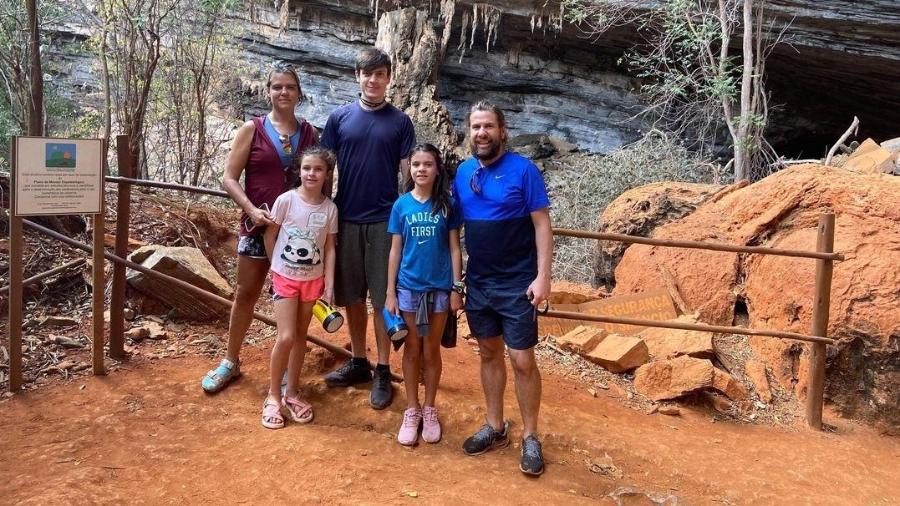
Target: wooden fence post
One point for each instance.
(123, 218)
(815, 393)
(98, 296)
(16, 241)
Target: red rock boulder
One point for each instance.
(782, 211)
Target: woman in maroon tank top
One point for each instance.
(262, 150)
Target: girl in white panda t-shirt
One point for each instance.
(301, 246)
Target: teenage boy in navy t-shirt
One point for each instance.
(371, 138)
(505, 212)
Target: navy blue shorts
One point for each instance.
(502, 311)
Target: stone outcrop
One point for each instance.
(416, 54)
(671, 343)
(669, 379)
(186, 264)
(638, 212)
(547, 75)
(551, 80)
(619, 353)
(863, 369)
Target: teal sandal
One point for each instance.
(218, 378)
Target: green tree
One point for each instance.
(133, 46)
(192, 74)
(693, 82)
(23, 100)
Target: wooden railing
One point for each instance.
(825, 258)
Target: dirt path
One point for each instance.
(147, 434)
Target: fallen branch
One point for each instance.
(854, 127)
(51, 272)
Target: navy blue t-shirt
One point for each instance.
(425, 264)
(499, 231)
(369, 147)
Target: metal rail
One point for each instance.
(167, 186)
(606, 236)
(569, 315)
(337, 350)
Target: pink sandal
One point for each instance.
(271, 414)
(299, 411)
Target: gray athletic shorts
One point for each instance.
(362, 263)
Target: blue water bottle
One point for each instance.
(394, 324)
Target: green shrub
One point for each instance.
(582, 185)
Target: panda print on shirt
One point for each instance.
(301, 249)
(300, 245)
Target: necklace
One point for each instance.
(372, 105)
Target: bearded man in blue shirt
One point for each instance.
(505, 212)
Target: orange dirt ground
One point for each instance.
(147, 434)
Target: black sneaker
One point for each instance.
(532, 458)
(382, 391)
(486, 439)
(349, 374)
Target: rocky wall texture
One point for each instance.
(569, 98)
(841, 59)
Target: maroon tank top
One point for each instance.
(264, 176)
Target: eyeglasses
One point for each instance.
(475, 182)
(285, 143)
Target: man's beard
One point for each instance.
(492, 152)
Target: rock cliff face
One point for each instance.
(581, 97)
(843, 59)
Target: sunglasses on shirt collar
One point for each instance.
(476, 181)
(285, 143)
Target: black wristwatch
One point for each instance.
(459, 287)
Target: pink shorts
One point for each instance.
(287, 288)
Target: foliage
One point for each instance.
(582, 185)
(59, 111)
(191, 75)
(134, 31)
(694, 86)
(162, 62)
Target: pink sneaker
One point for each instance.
(409, 429)
(431, 427)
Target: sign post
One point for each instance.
(15, 284)
(52, 177)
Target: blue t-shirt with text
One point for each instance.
(500, 238)
(425, 264)
(369, 146)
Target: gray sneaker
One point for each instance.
(486, 439)
(221, 376)
(532, 457)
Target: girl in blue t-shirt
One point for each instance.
(424, 281)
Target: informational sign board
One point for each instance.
(58, 176)
(650, 305)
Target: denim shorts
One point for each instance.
(252, 246)
(506, 311)
(408, 300)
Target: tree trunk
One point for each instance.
(36, 76)
(742, 144)
(104, 63)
